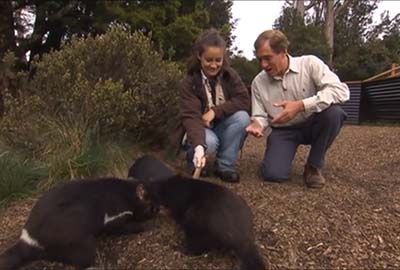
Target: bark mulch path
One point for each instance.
(352, 223)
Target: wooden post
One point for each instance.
(393, 73)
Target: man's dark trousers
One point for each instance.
(319, 131)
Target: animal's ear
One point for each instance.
(141, 191)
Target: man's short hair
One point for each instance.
(277, 41)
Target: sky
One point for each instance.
(257, 16)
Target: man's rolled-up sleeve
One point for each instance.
(330, 90)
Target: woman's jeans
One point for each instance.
(225, 138)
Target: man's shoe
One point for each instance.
(228, 176)
(313, 177)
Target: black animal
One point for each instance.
(148, 167)
(212, 217)
(64, 222)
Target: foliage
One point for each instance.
(7, 39)
(304, 38)
(57, 21)
(67, 155)
(111, 82)
(90, 80)
(361, 50)
(82, 97)
(247, 69)
(18, 175)
(72, 154)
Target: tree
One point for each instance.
(388, 31)
(304, 38)
(220, 12)
(7, 42)
(247, 69)
(341, 33)
(330, 9)
(7, 38)
(301, 6)
(56, 21)
(352, 43)
(326, 13)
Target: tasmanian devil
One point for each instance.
(148, 167)
(64, 222)
(211, 216)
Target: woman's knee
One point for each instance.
(212, 142)
(241, 118)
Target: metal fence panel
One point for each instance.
(382, 100)
(352, 106)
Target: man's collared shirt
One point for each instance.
(307, 79)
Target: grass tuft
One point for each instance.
(18, 176)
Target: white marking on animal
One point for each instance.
(108, 219)
(25, 237)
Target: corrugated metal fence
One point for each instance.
(374, 101)
(352, 107)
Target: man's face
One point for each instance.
(275, 64)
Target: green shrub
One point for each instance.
(112, 83)
(115, 81)
(79, 100)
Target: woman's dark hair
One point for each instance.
(209, 38)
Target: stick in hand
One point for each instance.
(197, 172)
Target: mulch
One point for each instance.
(352, 223)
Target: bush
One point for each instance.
(109, 83)
(79, 100)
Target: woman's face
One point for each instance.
(211, 60)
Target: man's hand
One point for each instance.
(199, 158)
(255, 129)
(208, 117)
(290, 110)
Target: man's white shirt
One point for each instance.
(308, 79)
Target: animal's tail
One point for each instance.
(251, 259)
(18, 255)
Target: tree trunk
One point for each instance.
(329, 27)
(299, 7)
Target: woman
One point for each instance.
(214, 108)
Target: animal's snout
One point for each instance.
(152, 209)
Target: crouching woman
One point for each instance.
(214, 108)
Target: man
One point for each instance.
(297, 97)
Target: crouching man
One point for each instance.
(297, 97)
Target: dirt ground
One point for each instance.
(352, 223)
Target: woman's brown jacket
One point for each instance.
(193, 104)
